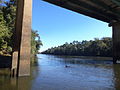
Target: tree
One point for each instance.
(5, 34)
(36, 43)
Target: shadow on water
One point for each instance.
(13, 83)
(20, 83)
(9, 83)
(34, 61)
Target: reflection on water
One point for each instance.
(81, 73)
(116, 69)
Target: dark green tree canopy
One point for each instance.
(96, 47)
(7, 28)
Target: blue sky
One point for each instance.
(57, 25)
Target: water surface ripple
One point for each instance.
(67, 73)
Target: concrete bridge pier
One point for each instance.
(116, 41)
(22, 39)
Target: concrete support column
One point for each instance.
(22, 39)
(116, 41)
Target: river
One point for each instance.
(67, 73)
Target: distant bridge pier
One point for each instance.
(22, 39)
(116, 41)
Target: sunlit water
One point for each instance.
(81, 73)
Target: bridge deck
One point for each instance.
(104, 10)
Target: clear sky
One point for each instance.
(57, 25)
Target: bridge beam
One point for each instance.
(22, 39)
(116, 41)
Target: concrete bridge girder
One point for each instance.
(22, 39)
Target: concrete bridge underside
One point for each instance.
(104, 10)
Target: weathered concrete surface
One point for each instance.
(14, 63)
(25, 45)
(22, 38)
(116, 41)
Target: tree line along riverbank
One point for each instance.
(96, 47)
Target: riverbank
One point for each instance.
(5, 61)
(83, 57)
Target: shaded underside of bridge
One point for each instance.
(104, 10)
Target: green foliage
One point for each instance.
(7, 27)
(35, 43)
(94, 47)
(5, 34)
